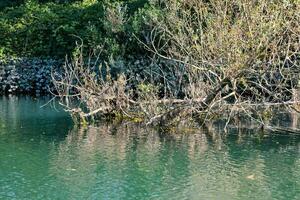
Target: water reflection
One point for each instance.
(126, 161)
(43, 156)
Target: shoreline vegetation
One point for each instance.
(164, 62)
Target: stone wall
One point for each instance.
(27, 75)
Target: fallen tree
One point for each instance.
(209, 59)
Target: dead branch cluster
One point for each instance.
(209, 58)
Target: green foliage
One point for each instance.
(54, 28)
(8, 3)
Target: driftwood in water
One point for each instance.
(98, 96)
(283, 130)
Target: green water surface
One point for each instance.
(44, 156)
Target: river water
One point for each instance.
(44, 156)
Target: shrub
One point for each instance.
(52, 29)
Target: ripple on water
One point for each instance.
(45, 160)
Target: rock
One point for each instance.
(23, 75)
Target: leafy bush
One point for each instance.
(45, 28)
